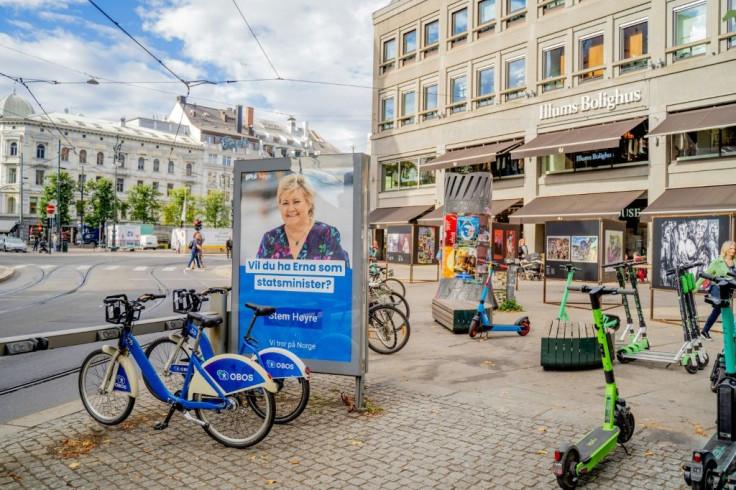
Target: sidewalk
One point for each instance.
(454, 413)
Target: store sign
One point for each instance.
(593, 157)
(589, 103)
(630, 212)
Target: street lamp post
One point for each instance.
(81, 217)
(115, 191)
(58, 199)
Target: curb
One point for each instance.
(6, 273)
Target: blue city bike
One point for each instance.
(170, 355)
(221, 391)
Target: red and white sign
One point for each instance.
(50, 209)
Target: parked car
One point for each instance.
(149, 241)
(12, 244)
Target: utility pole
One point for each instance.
(82, 183)
(21, 193)
(58, 198)
(115, 191)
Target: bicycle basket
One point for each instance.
(115, 312)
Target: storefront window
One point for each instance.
(405, 175)
(690, 28)
(501, 168)
(720, 142)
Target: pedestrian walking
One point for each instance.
(36, 240)
(194, 248)
(229, 247)
(720, 267)
(200, 251)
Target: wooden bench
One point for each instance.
(455, 314)
(571, 346)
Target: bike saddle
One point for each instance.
(261, 310)
(205, 320)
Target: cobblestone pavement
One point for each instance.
(447, 412)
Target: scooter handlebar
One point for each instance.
(685, 267)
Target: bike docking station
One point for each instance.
(691, 355)
(318, 206)
(714, 465)
(572, 460)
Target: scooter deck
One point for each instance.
(724, 453)
(596, 445)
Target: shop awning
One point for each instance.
(396, 216)
(693, 200)
(501, 205)
(433, 218)
(697, 120)
(578, 206)
(6, 225)
(576, 140)
(469, 156)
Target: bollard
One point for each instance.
(218, 335)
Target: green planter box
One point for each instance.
(571, 346)
(455, 314)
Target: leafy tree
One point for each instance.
(172, 210)
(216, 210)
(54, 188)
(143, 203)
(101, 199)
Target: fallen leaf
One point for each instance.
(357, 443)
(434, 411)
(542, 429)
(295, 462)
(270, 482)
(648, 453)
(489, 363)
(74, 466)
(15, 477)
(252, 458)
(541, 451)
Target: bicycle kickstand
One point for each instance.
(165, 423)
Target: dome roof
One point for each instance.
(13, 106)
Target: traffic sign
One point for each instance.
(50, 209)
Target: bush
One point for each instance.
(510, 305)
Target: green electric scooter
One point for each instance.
(714, 466)
(636, 339)
(562, 314)
(576, 459)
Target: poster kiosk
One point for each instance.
(320, 294)
(412, 245)
(588, 245)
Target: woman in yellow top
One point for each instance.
(720, 267)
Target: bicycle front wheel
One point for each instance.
(396, 286)
(163, 353)
(106, 407)
(237, 425)
(291, 399)
(388, 329)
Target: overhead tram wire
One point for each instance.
(257, 41)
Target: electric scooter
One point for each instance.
(714, 466)
(576, 459)
(483, 323)
(562, 314)
(624, 269)
(691, 354)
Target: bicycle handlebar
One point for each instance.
(217, 289)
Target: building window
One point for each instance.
(100, 158)
(459, 26)
(731, 25)
(429, 103)
(516, 11)
(388, 56)
(212, 158)
(515, 78)
(486, 87)
(11, 205)
(39, 177)
(408, 107)
(155, 186)
(83, 156)
(404, 174)
(13, 149)
(120, 187)
(33, 205)
(40, 151)
(591, 57)
(227, 161)
(486, 16)
(156, 165)
(141, 164)
(387, 114)
(634, 44)
(121, 160)
(12, 175)
(458, 94)
(140, 182)
(689, 30)
(708, 143)
(171, 167)
(65, 154)
(553, 68)
(409, 47)
(431, 38)
(189, 169)
(169, 188)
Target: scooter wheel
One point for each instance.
(703, 361)
(690, 367)
(473, 331)
(627, 428)
(716, 377)
(621, 358)
(568, 480)
(524, 328)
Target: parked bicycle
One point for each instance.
(221, 390)
(388, 329)
(380, 293)
(169, 356)
(383, 275)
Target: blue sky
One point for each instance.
(319, 41)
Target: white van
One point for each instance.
(149, 241)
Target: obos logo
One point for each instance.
(120, 383)
(224, 376)
(271, 364)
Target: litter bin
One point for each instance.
(218, 335)
(64, 246)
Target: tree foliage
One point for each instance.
(100, 202)
(143, 203)
(61, 190)
(216, 210)
(171, 213)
